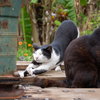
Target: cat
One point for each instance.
(50, 56)
(82, 64)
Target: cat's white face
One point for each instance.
(39, 57)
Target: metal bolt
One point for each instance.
(46, 98)
(65, 91)
(29, 96)
(40, 90)
(91, 91)
(77, 99)
(24, 97)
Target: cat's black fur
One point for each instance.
(82, 64)
(66, 32)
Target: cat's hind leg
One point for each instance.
(58, 68)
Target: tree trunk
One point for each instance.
(47, 21)
(32, 13)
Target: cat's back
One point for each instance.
(67, 29)
(66, 32)
(78, 50)
(78, 43)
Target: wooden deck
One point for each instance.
(54, 75)
(36, 93)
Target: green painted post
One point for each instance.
(9, 13)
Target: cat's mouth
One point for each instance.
(37, 60)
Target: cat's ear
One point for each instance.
(35, 46)
(49, 48)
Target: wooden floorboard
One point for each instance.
(21, 65)
(54, 75)
(37, 93)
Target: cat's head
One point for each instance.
(42, 53)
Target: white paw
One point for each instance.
(58, 68)
(33, 75)
(30, 71)
(21, 74)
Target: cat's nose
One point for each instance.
(36, 58)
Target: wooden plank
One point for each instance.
(21, 65)
(37, 93)
(54, 75)
(54, 93)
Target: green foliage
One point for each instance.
(23, 48)
(26, 26)
(84, 18)
(34, 1)
(21, 53)
(57, 22)
(69, 4)
(98, 4)
(27, 53)
(86, 32)
(94, 24)
(95, 21)
(83, 2)
(71, 10)
(61, 1)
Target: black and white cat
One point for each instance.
(50, 56)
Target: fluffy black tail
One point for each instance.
(49, 83)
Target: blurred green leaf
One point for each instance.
(26, 25)
(83, 2)
(69, 4)
(57, 22)
(61, 1)
(33, 1)
(71, 10)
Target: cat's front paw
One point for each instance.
(30, 71)
(21, 74)
(58, 68)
